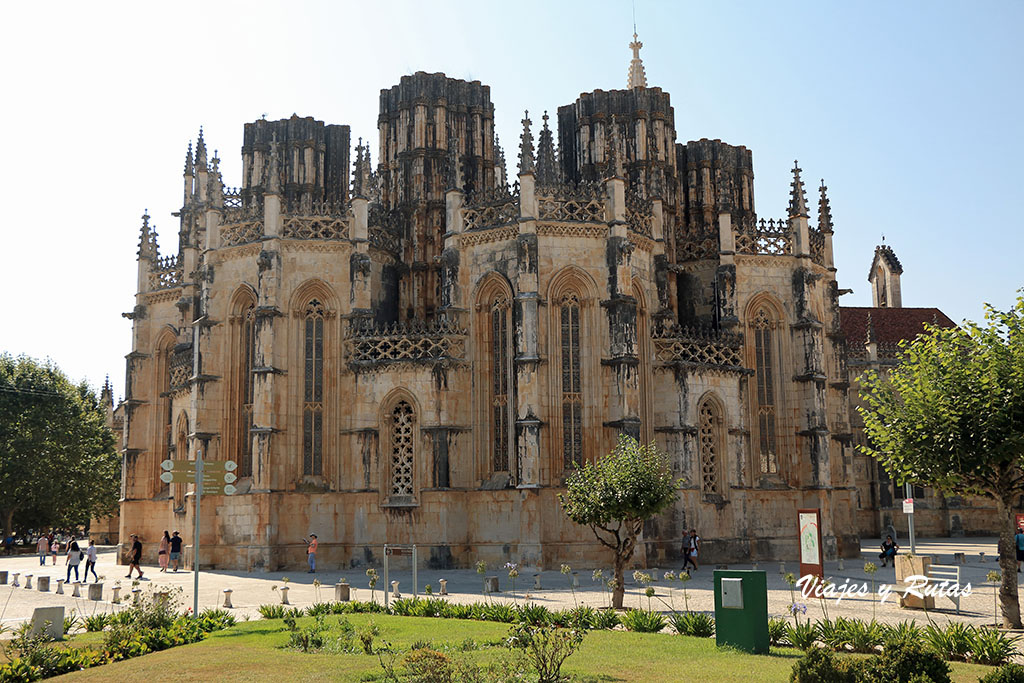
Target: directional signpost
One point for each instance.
(212, 478)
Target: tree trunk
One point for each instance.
(1009, 603)
(620, 588)
(8, 523)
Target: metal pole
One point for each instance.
(415, 577)
(387, 586)
(195, 542)
(909, 490)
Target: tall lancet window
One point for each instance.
(247, 356)
(313, 396)
(765, 391)
(402, 421)
(572, 396)
(500, 383)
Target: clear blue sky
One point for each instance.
(911, 111)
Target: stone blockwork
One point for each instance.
(423, 351)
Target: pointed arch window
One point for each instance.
(572, 393)
(313, 394)
(247, 355)
(709, 435)
(402, 421)
(500, 404)
(765, 391)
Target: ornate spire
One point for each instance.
(361, 172)
(501, 173)
(797, 197)
(637, 77)
(613, 161)
(526, 159)
(454, 167)
(872, 338)
(147, 239)
(201, 152)
(107, 392)
(214, 185)
(273, 173)
(824, 210)
(547, 166)
(188, 159)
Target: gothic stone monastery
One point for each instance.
(421, 352)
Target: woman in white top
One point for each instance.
(90, 562)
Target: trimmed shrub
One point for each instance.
(1007, 673)
(823, 666)
(906, 662)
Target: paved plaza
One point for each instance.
(250, 590)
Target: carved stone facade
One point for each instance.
(422, 352)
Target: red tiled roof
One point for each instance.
(891, 324)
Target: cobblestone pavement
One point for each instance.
(250, 590)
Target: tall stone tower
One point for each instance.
(420, 120)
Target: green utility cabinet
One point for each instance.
(741, 609)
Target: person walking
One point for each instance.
(73, 560)
(165, 547)
(692, 549)
(134, 556)
(311, 546)
(54, 546)
(175, 550)
(90, 562)
(43, 547)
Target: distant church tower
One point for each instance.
(885, 278)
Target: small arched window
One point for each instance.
(313, 394)
(709, 435)
(402, 422)
(572, 392)
(765, 391)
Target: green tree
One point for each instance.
(58, 462)
(615, 495)
(951, 416)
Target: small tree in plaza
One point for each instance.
(951, 416)
(615, 495)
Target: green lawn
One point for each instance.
(253, 651)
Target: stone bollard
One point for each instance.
(227, 599)
(536, 582)
(576, 578)
(841, 566)
(754, 566)
(491, 585)
(28, 582)
(14, 580)
(444, 586)
(43, 584)
(60, 586)
(78, 590)
(394, 590)
(982, 556)
(721, 566)
(960, 558)
(115, 597)
(342, 591)
(284, 595)
(3, 578)
(782, 567)
(96, 591)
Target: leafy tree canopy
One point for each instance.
(951, 416)
(58, 461)
(615, 494)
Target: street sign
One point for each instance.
(908, 506)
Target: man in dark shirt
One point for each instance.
(175, 555)
(134, 557)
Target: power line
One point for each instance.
(28, 392)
